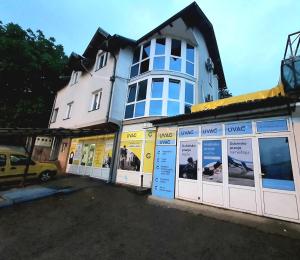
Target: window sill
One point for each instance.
(67, 118)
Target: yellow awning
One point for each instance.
(273, 92)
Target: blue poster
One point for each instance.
(241, 128)
(271, 126)
(211, 130)
(164, 171)
(212, 161)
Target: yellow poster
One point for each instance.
(149, 151)
(72, 151)
(166, 136)
(99, 154)
(134, 135)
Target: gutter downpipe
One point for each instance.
(111, 179)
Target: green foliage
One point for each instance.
(30, 66)
(224, 93)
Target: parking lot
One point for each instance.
(101, 221)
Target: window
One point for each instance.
(18, 159)
(140, 62)
(69, 110)
(136, 100)
(190, 59)
(54, 115)
(75, 77)
(101, 60)
(173, 98)
(159, 56)
(96, 98)
(175, 58)
(189, 97)
(156, 97)
(2, 160)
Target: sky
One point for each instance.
(251, 34)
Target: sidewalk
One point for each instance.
(267, 225)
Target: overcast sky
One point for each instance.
(251, 35)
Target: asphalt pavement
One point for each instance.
(101, 221)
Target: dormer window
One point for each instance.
(75, 77)
(101, 60)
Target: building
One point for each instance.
(118, 85)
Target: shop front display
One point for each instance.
(91, 156)
(136, 155)
(248, 166)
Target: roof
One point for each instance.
(247, 109)
(193, 16)
(264, 94)
(105, 128)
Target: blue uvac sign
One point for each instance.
(241, 128)
(164, 171)
(189, 132)
(272, 126)
(211, 130)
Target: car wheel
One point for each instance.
(45, 176)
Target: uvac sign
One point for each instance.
(241, 128)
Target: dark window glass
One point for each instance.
(160, 46)
(159, 63)
(157, 88)
(189, 68)
(155, 107)
(129, 111)
(173, 108)
(146, 50)
(174, 89)
(190, 53)
(175, 64)
(2, 160)
(136, 55)
(131, 93)
(17, 159)
(275, 160)
(187, 109)
(144, 66)
(189, 93)
(176, 48)
(139, 109)
(142, 90)
(134, 70)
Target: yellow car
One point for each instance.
(13, 162)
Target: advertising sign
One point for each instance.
(73, 155)
(149, 151)
(90, 156)
(188, 158)
(212, 161)
(99, 154)
(166, 136)
(272, 126)
(212, 130)
(164, 171)
(240, 162)
(107, 156)
(189, 132)
(241, 128)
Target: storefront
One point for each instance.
(136, 154)
(246, 162)
(91, 156)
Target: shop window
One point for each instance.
(96, 98)
(159, 57)
(54, 115)
(188, 159)
(101, 60)
(189, 97)
(175, 58)
(275, 161)
(190, 57)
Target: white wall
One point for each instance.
(81, 94)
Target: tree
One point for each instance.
(224, 93)
(30, 70)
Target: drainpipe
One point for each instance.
(112, 79)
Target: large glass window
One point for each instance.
(175, 58)
(156, 97)
(159, 56)
(275, 161)
(174, 89)
(189, 97)
(190, 57)
(173, 108)
(140, 61)
(155, 107)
